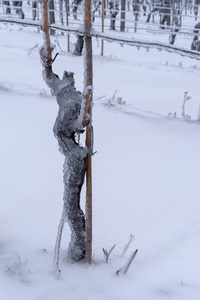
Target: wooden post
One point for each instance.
(51, 15)
(102, 22)
(88, 81)
(123, 15)
(67, 19)
(47, 41)
(38, 14)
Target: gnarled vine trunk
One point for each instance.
(66, 126)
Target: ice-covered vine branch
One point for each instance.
(107, 253)
(131, 237)
(186, 98)
(125, 268)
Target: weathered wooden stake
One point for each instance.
(67, 19)
(102, 24)
(123, 15)
(88, 81)
(47, 41)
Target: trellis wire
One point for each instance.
(128, 20)
(131, 42)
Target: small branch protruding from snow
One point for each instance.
(112, 99)
(58, 241)
(173, 115)
(107, 254)
(32, 48)
(131, 237)
(18, 270)
(186, 98)
(113, 96)
(125, 268)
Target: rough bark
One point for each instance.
(65, 129)
(75, 8)
(114, 9)
(51, 15)
(196, 43)
(123, 15)
(79, 45)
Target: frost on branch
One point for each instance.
(18, 271)
(186, 98)
(67, 125)
(107, 253)
(125, 268)
(131, 237)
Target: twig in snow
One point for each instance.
(131, 237)
(58, 241)
(125, 268)
(112, 99)
(173, 115)
(32, 48)
(113, 96)
(18, 270)
(186, 98)
(107, 254)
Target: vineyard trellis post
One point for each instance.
(67, 21)
(37, 14)
(88, 81)
(123, 15)
(102, 25)
(45, 16)
(51, 15)
(61, 12)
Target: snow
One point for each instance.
(145, 175)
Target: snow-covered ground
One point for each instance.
(145, 175)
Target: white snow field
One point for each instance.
(146, 175)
